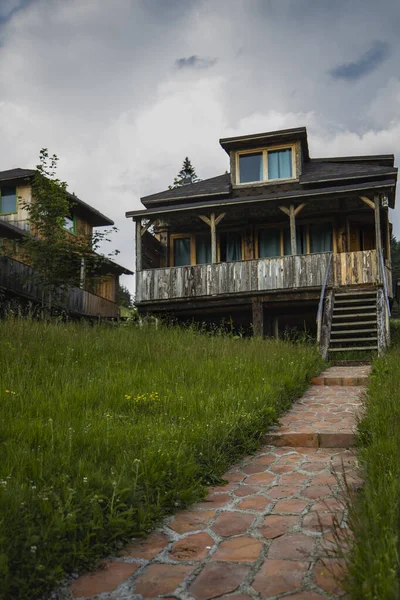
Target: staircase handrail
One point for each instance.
(322, 297)
(384, 281)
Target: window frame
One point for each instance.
(242, 242)
(179, 236)
(74, 230)
(14, 212)
(264, 153)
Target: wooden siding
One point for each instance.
(289, 272)
(255, 276)
(356, 268)
(19, 279)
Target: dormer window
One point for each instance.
(265, 165)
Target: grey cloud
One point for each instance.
(368, 62)
(195, 62)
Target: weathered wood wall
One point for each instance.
(356, 268)
(267, 274)
(289, 272)
(19, 279)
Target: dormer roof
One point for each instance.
(270, 138)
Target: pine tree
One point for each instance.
(186, 175)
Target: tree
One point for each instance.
(54, 253)
(186, 175)
(124, 296)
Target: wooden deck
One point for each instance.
(19, 279)
(299, 272)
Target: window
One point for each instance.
(182, 251)
(69, 224)
(265, 165)
(321, 238)
(230, 246)
(8, 200)
(269, 243)
(203, 249)
(251, 167)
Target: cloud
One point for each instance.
(195, 62)
(368, 62)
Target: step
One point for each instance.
(358, 301)
(349, 331)
(347, 294)
(354, 323)
(359, 339)
(341, 309)
(310, 440)
(342, 381)
(372, 314)
(352, 349)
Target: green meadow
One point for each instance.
(104, 430)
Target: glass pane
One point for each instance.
(203, 249)
(269, 243)
(251, 167)
(287, 246)
(301, 239)
(231, 246)
(182, 252)
(69, 224)
(280, 164)
(321, 238)
(8, 200)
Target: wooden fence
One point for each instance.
(20, 279)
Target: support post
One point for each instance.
(378, 235)
(82, 274)
(293, 241)
(275, 327)
(138, 242)
(213, 238)
(258, 317)
(381, 321)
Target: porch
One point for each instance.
(259, 276)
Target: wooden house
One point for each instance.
(283, 240)
(16, 276)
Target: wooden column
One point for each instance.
(213, 238)
(82, 275)
(378, 235)
(258, 317)
(138, 242)
(293, 240)
(275, 328)
(212, 222)
(164, 241)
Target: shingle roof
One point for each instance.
(97, 218)
(317, 170)
(219, 185)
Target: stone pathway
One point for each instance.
(267, 533)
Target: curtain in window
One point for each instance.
(230, 246)
(269, 243)
(287, 245)
(321, 238)
(181, 252)
(203, 249)
(280, 164)
(301, 239)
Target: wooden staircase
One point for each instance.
(354, 325)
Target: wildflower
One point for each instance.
(85, 480)
(128, 397)
(33, 549)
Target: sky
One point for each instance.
(123, 90)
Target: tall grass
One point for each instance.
(103, 431)
(374, 513)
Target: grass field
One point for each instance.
(104, 430)
(374, 513)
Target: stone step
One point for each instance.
(310, 440)
(343, 381)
